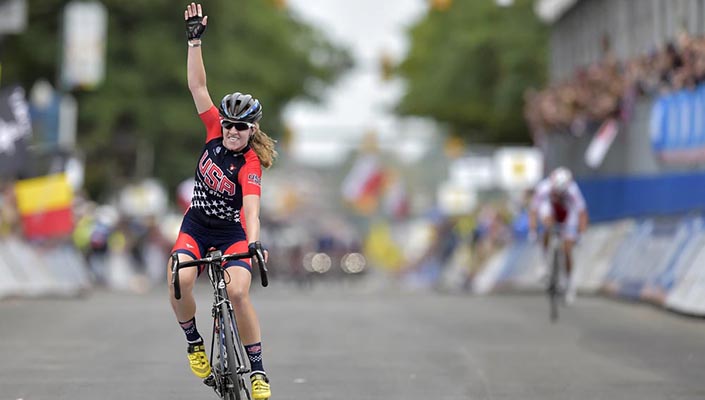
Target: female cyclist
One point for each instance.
(224, 211)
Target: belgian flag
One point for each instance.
(44, 204)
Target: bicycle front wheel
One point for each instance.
(232, 379)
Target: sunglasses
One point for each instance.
(238, 125)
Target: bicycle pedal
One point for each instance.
(209, 381)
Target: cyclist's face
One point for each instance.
(234, 139)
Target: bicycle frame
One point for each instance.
(227, 377)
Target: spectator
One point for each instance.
(9, 216)
(608, 88)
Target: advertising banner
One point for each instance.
(85, 37)
(15, 131)
(601, 143)
(688, 295)
(13, 16)
(678, 126)
(686, 243)
(518, 168)
(45, 205)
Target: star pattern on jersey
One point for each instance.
(212, 207)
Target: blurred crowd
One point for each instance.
(457, 247)
(125, 250)
(609, 88)
(303, 253)
(119, 250)
(9, 215)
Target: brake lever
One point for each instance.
(263, 267)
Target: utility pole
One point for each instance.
(2, 40)
(13, 19)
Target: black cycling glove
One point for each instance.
(194, 27)
(253, 247)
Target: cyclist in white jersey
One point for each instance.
(558, 200)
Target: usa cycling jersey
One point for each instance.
(223, 176)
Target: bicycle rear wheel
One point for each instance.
(234, 385)
(553, 291)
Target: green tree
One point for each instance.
(468, 66)
(250, 46)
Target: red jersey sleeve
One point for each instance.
(250, 175)
(211, 119)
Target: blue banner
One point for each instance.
(678, 126)
(617, 197)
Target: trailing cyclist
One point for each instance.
(224, 211)
(558, 200)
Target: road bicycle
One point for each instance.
(557, 270)
(229, 370)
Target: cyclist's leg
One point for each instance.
(184, 308)
(247, 321)
(568, 245)
(570, 236)
(186, 249)
(545, 214)
(239, 294)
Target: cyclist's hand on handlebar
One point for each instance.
(259, 255)
(254, 247)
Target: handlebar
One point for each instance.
(216, 257)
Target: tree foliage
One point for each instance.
(250, 46)
(469, 65)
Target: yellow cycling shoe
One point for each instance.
(260, 386)
(198, 360)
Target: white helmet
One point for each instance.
(560, 179)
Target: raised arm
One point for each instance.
(196, 71)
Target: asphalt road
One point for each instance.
(358, 342)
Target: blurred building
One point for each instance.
(579, 28)
(625, 103)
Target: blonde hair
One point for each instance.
(263, 146)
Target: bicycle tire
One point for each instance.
(553, 291)
(230, 352)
